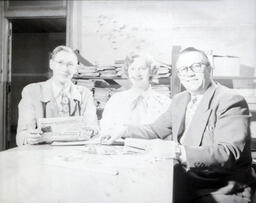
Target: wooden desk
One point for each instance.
(69, 174)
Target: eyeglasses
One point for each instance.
(195, 67)
(68, 65)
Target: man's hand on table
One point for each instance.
(112, 135)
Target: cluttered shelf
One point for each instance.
(106, 80)
(104, 87)
(234, 77)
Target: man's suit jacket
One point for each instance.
(217, 143)
(31, 106)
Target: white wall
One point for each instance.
(108, 30)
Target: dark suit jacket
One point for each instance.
(218, 142)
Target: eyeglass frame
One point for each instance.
(199, 70)
(65, 64)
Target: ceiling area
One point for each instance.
(40, 25)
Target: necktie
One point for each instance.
(65, 105)
(191, 108)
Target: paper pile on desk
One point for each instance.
(160, 149)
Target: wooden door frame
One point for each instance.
(3, 73)
(6, 14)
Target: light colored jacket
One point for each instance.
(35, 95)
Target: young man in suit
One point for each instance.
(56, 97)
(209, 124)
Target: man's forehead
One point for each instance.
(65, 55)
(190, 58)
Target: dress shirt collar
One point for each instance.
(196, 98)
(69, 89)
(143, 93)
(57, 90)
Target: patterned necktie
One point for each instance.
(190, 111)
(65, 105)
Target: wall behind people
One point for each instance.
(110, 29)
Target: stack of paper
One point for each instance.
(163, 71)
(87, 71)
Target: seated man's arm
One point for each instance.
(26, 130)
(231, 137)
(161, 128)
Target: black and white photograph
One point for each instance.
(126, 101)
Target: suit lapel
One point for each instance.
(75, 98)
(47, 97)
(199, 121)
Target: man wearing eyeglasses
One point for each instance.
(56, 97)
(209, 125)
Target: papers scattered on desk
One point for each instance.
(94, 146)
(158, 148)
(104, 149)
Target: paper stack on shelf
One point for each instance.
(163, 71)
(121, 68)
(107, 71)
(87, 71)
(86, 83)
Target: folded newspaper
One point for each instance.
(65, 128)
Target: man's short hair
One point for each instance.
(62, 48)
(192, 49)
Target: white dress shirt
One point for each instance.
(58, 94)
(134, 108)
(190, 111)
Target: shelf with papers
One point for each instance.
(77, 77)
(104, 81)
(234, 77)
